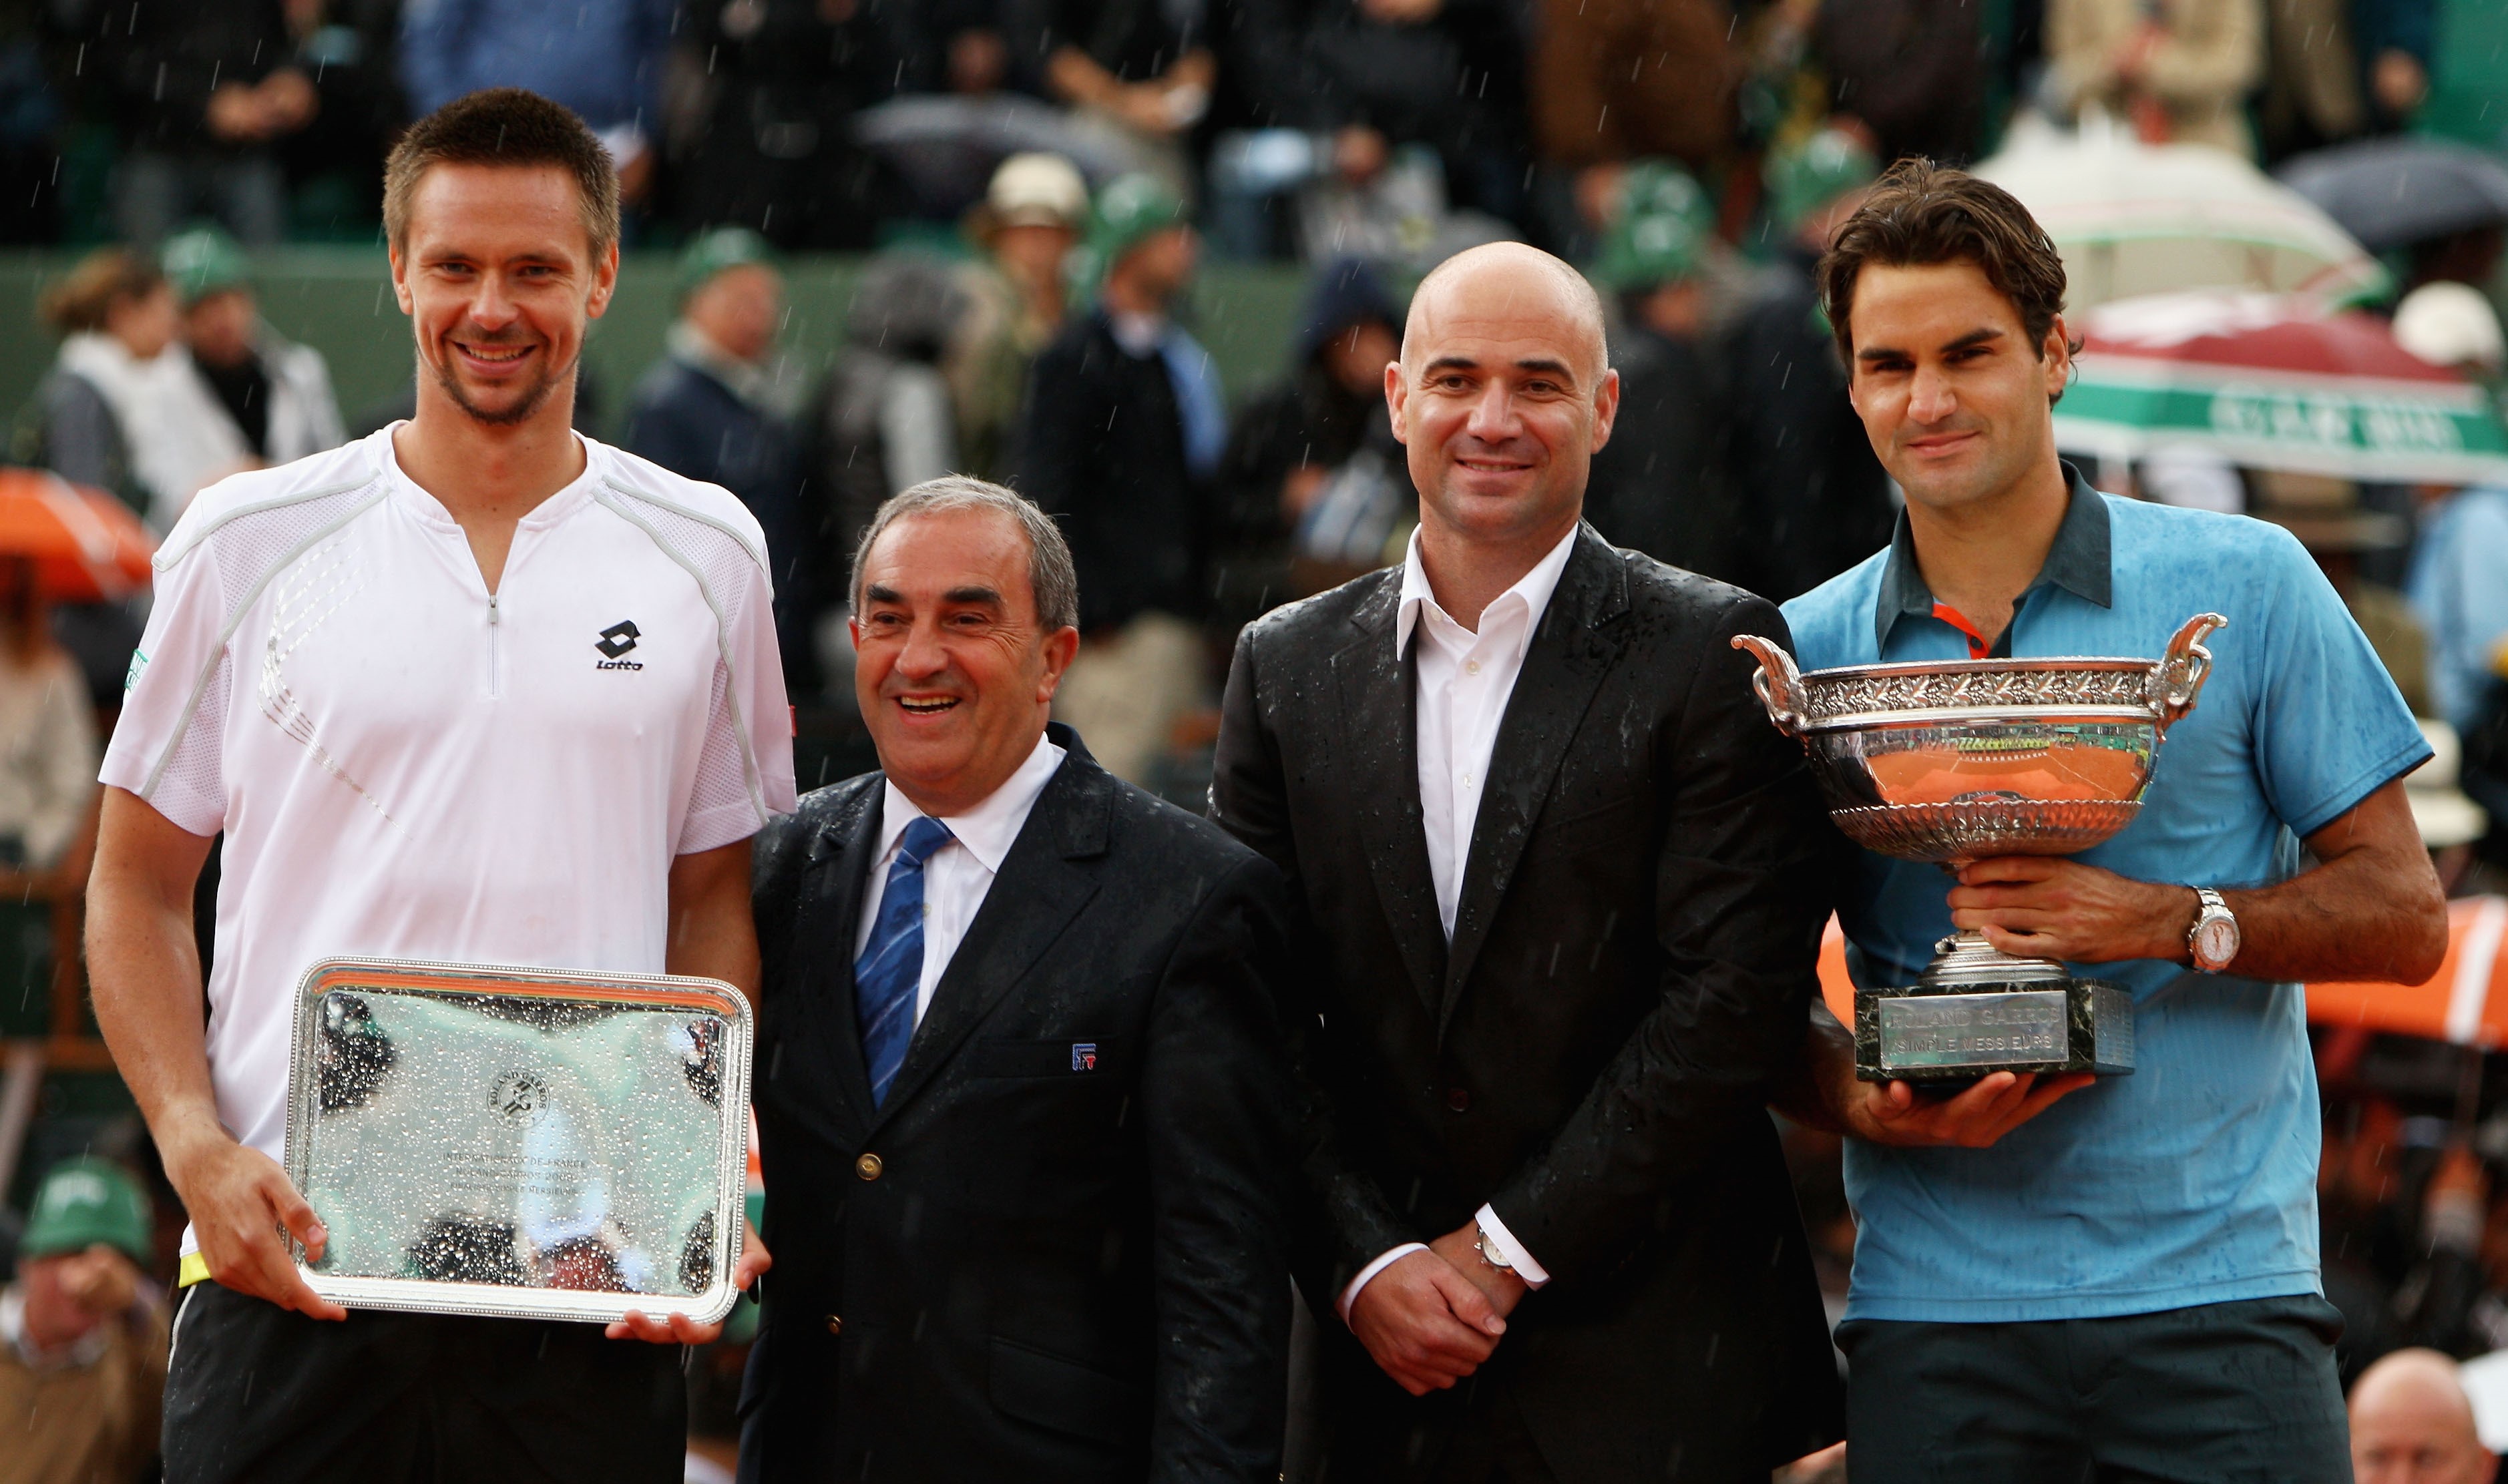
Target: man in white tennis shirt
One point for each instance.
(473, 689)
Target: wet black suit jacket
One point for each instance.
(1066, 1263)
(1633, 956)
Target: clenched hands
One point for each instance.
(1427, 1322)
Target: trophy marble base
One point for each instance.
(1944, 1033)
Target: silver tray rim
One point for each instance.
(497, 1300)
(2030, 664)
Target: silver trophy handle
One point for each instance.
(2179, 677)
(1779, 683)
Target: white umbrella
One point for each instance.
(2133, 218)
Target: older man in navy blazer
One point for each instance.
(1020, 1085)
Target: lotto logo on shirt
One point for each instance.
(613, 644)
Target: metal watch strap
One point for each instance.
(2207, 903)
(1489, 1253)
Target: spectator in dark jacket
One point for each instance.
(1658, 486)
(1800, 461)
(602, 59)
(1299, 516)
(1140, 73)
(1619, 79)
(1911, 69)
(1125, 432)
(707, 410)
(783, 81)
(1448, 74)
(204, 91)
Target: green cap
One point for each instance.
(1130, 207)
(718, 249)
(1644, 250)
(83, 1202)
(201, 261)
(1661, 188)
(1808, 176)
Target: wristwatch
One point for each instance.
(2213, 940)
(1487, 1249)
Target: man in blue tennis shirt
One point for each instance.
(2121, 1283)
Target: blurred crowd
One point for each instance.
(1390, 128)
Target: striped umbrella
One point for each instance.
(2133, 218)
(2271, 382)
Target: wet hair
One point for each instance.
(103, 278)
(1919, 214)
(1049, 573)
(504, 127)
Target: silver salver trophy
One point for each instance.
(1961, 760)
(520, 1142)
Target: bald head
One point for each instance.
(1502, 398)
(1503, 280)
(2412, 1424)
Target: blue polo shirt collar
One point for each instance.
(2078, 562)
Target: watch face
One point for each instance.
(2216, 942)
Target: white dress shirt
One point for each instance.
(957, 876)
(1464, 679)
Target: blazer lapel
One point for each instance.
(1572, 649)
(830, 907)
(1038, 891)
(1380, 740)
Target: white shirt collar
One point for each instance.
(1532, 589)
(990, 828)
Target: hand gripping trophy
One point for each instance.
(1961, 760)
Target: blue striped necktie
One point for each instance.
(890, 969)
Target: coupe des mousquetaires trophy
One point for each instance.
(1960, 760)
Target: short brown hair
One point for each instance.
(504, 127)
(1920, 213)
(103, 278)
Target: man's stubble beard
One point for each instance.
(522, 411)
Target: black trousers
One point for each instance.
(2209, 1394)
(259, 1395)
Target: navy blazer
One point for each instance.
(1056, 1250)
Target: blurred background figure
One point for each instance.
(276, 393)
(775, 87)
(1314, 488)
(2327, 516)
(602, 59)
(48, 747)
(1138, 75)
(1819, 500)
(1658, 486)
(1016, 301)
(1908, 71)
(2340, 69)
(2177, 71)
(204, 92)
(351, 50)
(2460, 574)
(884, 421)
(2410, 1424)
(710, 408)
(83, 1334)
(1126, 428)
(122, 409)
(1619, 80)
